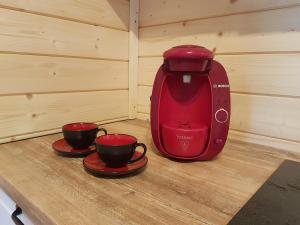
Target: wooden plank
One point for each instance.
(143, 116)
(264, 140)
(159, 12)
(23, 114)
(144, 94)
(133, 57)
(257, 33)
(32, 74)
(271, 116)
(271, 74)
(51, 131)
(275, 117)
(28, 33)
(98, 12)
(148, 67)
(167, 192)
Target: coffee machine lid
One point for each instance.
(188, 52)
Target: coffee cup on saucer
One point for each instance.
(81, 135)
(117, 150)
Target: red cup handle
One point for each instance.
(99, 129)
(143, 154)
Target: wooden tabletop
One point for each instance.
(56, 190)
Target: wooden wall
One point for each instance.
(61, 61)
(258, 43)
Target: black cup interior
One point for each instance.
(80, 135)
(116, 149)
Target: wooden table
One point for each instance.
(56, 190)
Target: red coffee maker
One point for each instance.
(190, 104)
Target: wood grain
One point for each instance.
(42, 74)
(267, 74)
(143, 116)
(30, 113)
(157, 12)
(52, 131)
(59, 63)
(167, 192)
(264, 115)
(245, 137)
(27, 33)
(105, 13)
(228, 34)
(144, 93)
(148, 67)
(272, 116)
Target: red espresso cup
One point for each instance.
(184, 139)
(117, 150)
(81, 135)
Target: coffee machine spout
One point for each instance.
(186, 78)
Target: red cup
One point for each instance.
(184, 139)
(81, 135)
(116, 150)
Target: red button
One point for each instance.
(221, 115)
(219, 141)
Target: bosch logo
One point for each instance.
(220, 85)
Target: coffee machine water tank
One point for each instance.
(190, 104)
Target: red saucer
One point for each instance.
(63, 148)
(95, 166)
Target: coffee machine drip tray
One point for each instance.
(184, 139)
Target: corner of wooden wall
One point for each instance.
(133, 57)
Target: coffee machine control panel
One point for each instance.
(220, 109)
